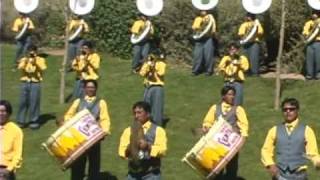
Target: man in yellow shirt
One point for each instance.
(289, 144)
(204, 48)
(77, 24)
(11, 141)
(236, 116)
(252, 46)
(86, 66)
(143, 144)
(99, 109)
(233, 66)
(25, 38)
(153, 71)
(32, 67)
(313, 47)
(141, 49)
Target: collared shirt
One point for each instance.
(139, 25)
(199, 21)
(247, 26)
(32, 69)
(242, 120)
(267, 151)
(87, 67)
(75, 24)
(153, 74)
(308, 29)
(158, 148)
(19, 23)
(104, 118)
(233, 71)
(11, 142)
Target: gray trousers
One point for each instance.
(29, 102)
(239, 91)
(78, 90)
(287, 175)
(154, 95)
(313, 60)
(74, 48)
(22, 46)
(203, 56)
(252, 52)
(140, 52)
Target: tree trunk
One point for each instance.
(1, 68)
(279, 57)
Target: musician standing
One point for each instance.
(11, 143)
(233, 66)
(203, 53)
(289, 144)
(313, 47)
(151, 147)
(153, 71)
(32, 67)
(237, 118)
(24, 40)
(142, 48)
(252, 45)
(99, 109)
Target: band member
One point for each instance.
(236, 116)
(252, 46)
(99, 109)
(233, 66)
(313, 47)
(143, 152)
(289, 144)
(76, 40)
(25, 39)
(203, 53)
(153, 71)
(86, 66)
(32, 67)
(141, 49)
(11, 143)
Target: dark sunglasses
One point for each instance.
(288, 109)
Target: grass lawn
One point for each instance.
(187, 101)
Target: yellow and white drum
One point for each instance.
(214, 150)
(74, 138)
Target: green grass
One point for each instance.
(187, 101)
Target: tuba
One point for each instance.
(80, 7)
(205, 5)
(254, 7)
(315, 4)
(148, 8)
(25, 7)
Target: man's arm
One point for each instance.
(312, 152)
(159, 147)
(72, 110)
(124, 143)
(17, 151)
(242, 122)
(104, 117)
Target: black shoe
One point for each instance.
(208, 74)
(22, 125)
(308, 77)
(34, 126)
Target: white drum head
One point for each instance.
(204, 4)
(150, 7)
(81, 7)
(315, 4)
(256, 6)
(26, 6)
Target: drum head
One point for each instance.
(81, 7)
(315, 4)
(150, 7)
(256, 6)
(204, 4)
(26, 6)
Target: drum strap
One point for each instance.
(92, 107)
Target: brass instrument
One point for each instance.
(137, 134)
(314, 32)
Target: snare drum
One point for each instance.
(214, 150)
(74, 138)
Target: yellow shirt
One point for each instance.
(242, 120)
(138, 27)
(198, 23)
(153, 74)
(246, 27)
(11, 142)
(104, 118)
(19, 23)
(75, 24)
(32, 69)
(267, 151)
(158, 148)
(308, 29)
(233, 71)
(87, 66)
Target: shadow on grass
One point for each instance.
(107, 176)
(44, 118)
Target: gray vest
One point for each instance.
(230, 116)
(93, 107)
(290, 149)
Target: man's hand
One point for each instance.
(4, 174)
(143, 145)
(205, 129)
(273, 170)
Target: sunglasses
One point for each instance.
(290, 109)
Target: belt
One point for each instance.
(29, 82)
(141, 174)
(239, 81)
(153, 85)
